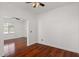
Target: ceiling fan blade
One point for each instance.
(28, 2)
(42, 4)
(36, 4)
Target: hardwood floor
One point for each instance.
(39, 50)
(13, 45)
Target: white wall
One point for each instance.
(17, 10)
(60, 28)
(18, 28)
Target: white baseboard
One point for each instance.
(71, 50)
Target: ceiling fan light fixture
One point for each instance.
(35, 4)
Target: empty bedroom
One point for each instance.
(39, 29)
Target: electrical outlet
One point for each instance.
(42, 39)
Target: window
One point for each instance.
(8, 28)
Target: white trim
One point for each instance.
(27, 29)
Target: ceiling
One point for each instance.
(26, 6)
(48, 6)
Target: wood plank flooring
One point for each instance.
(39, 50)
(13, 45)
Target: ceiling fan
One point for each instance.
(36, 4)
